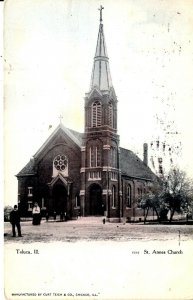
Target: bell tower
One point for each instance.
(100, 151)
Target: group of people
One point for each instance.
(15, 218)
(36, 218)
(62, 216)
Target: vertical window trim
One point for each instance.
(113, 196)
(110, 115)
(90, 155)
(96, 157)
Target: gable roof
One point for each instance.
(28, 169)
(132, 166)
(75, 136)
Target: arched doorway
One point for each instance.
(96, 203)
(59, 198)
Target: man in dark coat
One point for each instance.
(15, 221)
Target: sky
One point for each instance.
(49, 48)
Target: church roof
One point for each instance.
(101, 76)
(75, 136)
(132, 166)
(28, 169)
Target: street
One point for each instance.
(93, 229)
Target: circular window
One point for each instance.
(60, 162)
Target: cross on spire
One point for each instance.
(101, 8)
(60, 117)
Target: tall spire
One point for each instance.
(101, 76)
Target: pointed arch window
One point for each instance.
(96, 114)
(95, 156)
(110, 115)
(92, 156)
(129, 196)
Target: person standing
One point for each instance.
(47, 215)
(15, 221)
(36, 214)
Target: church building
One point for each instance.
(88, 173)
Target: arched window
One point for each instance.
(95, 156)
(110, 115)
(96, 114)
(129, 196)
(91, 156)
(113, 196)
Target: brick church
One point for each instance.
(88, 173)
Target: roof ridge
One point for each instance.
(133, 166)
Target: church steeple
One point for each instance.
(101, 100)
(101, 77)
(100, 174)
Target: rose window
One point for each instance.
(60, 162)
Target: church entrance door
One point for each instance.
(96, 204)
(59, 199)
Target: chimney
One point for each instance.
(145, 153)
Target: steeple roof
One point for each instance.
(101, 77)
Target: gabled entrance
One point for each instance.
(60, 195)
(59, 198)
(96, 204)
